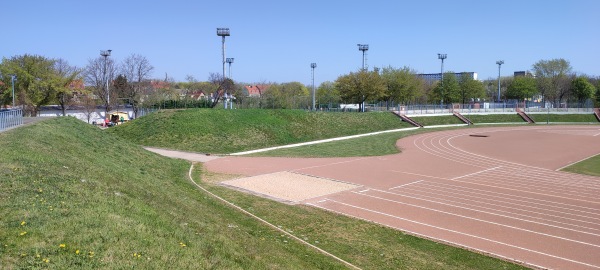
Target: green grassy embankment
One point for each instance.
(564, 118)
(227, 131)
(590, 166)
(74, 197)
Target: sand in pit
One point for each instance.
(289, 186)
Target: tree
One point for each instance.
(89, 106)
(97, 73)
(403, 85)
(221, 85)
(448, 90)
(582, 89)
(470, 88)
(137, 70)
(65, 74)
(327, 94)
(522, 88)
(358, 87)
(552, 78)
(36, 84)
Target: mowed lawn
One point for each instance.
(75, 197)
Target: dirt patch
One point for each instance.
(288, 186)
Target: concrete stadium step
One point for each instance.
(407, 119)
(525, 116)
(462, 118)
(597, 113)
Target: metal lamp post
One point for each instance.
(229, 61)
(313, 66)
(106, 54)
(499, 62)
(13, 78)
(442, 56)
(223, 32)
(363, 48)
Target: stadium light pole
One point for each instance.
(229, 61)
(13, 78)
(313, 66)
(106, 54)
(499, 62)
(223, 32)
(363, 48)
(442, 56)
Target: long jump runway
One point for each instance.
(492, 190)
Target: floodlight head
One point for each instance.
(223, 32)
(363, 47)
(105, 53)
(442, 56)
(229, 60)
(500, 62)
(313, 65)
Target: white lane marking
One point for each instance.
(475, 173)
(406, 184)
(456, 232)
(476, 210)
(485, 221)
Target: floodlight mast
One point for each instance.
(499, 62)
(363, 48)
(442, 56)
(13, 78)
(223, 32)
(313, 66)
(106, 54)
(229, 61)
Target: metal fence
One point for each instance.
(482, 108)
(10, 119)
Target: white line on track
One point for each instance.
(475, 173)
(406, 184)
(456, 232)
(490, 222)
(474, 210)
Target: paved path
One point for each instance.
(497, 192)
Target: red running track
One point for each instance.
(498, 192)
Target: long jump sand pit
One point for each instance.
(289, 187)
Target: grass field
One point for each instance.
(73, 196)
(564, 118)
(590, 166)
(227, 131)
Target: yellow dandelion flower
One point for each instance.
(22, 233)
(62, 246)
(91, 254)
(23, 223)
(46, 260)
(23, 254)
(77, 251)
(182, 244)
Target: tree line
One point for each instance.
(106, 83)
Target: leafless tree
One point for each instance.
(137, 70)
(95, 76)
(221, 85)
(66, 74)
(89, 106)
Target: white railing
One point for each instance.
(10, 119)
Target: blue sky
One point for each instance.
(275, 41)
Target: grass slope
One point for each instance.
(73, 197)
(227, 131)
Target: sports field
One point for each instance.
(494, 190)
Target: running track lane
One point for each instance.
(504, 196)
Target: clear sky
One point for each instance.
(275, 41)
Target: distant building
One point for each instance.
(432, 77)
(523, 74)
(255, 90)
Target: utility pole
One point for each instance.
(106, 54)
(499, 62)
(442, 56)
(313, 66)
